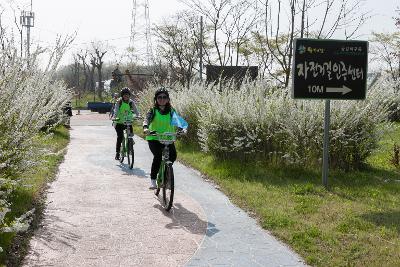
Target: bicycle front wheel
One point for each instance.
(168, 187)
(130, 153)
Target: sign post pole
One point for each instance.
(325, 160)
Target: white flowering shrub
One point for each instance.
(357, 126)
(30, 101)
(257, 120)
(394, 86)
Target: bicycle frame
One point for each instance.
(127, 135)
(166, 139)
(127, 149)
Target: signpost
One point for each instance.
(329, 69)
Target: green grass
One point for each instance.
(354, 223)
(27, 196)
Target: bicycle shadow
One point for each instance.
(188, 220)
(135, 171)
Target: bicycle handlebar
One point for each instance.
(154, 133)
(134, 118)
(165, 135)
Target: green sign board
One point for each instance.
(329, 69)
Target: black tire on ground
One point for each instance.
(168, 188)
(121, 154)
(130, 154)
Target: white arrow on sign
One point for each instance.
(344, 90)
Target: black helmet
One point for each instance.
(125, 91)
(161, 90)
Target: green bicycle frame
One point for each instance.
(160, 175)
(124, 145)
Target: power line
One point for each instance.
(83, 43)
(104, 40)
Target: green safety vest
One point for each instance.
(161, 124)
(124, 112)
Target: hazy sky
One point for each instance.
(111, 20)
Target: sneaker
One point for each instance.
(117, 156)
(153, 184)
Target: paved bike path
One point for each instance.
(100, 213)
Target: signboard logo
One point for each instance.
(302, 49)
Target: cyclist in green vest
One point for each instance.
(159, 119)
(124, 108)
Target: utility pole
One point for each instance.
(77, 87)
(302, 19)
(27, 20)
(201, 49)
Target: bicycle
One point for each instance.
(127, 142)
(165, 176)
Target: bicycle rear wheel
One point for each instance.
(122, 151)
(160, 182)
(130, 153)
(168, 188)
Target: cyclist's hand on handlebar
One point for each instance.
(181, 132)
(153, 133)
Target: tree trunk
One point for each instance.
(101, 87)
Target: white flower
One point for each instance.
(30, 100)
(261, 118)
